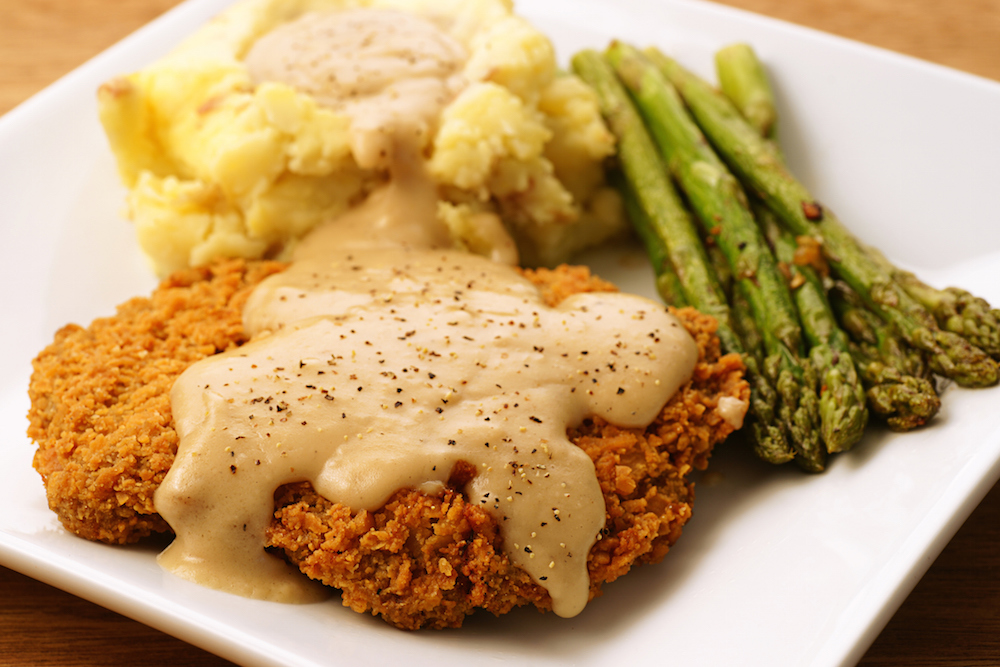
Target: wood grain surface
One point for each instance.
(951, 618)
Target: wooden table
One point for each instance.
(951, 618)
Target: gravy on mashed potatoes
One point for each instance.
(223, 157)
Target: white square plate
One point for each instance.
(776, 568)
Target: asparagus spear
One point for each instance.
(772, 448)
(868, 329)
(743, 80)
(843, 410)
(668, 283)
(954, 309)
(644, 171)
(757, 163)
(892, 375)
(721, 208)
(842, 400)
(957, 311)
(769, 441)
(746, 327)
(897, 382)
(721, 266)
(646, 175)
(905, 402)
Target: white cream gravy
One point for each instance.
(381, 358)
(390, 71)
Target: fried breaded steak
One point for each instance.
(100, 397)
(100, 414)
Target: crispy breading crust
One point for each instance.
(100, 413)
(100, 397)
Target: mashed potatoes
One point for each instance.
(220, 164)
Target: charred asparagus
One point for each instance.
(759, 166)
(722, 209)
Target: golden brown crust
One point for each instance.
(419, 561)
(565, 280)
(100, 414)
(100, 397)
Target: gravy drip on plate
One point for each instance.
(380, 359)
